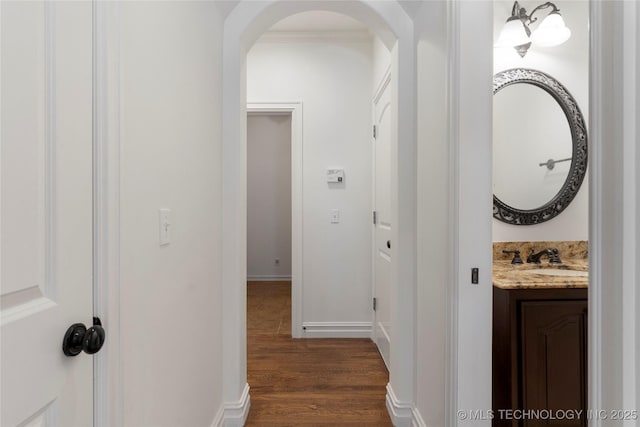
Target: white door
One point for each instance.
(46, 211)
(382, 241)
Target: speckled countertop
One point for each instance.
(524, 276)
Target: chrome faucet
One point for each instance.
(552, 254)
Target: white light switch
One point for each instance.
(165, 226)
(334, 215)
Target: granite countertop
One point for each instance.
(574, 255)
(524, 276)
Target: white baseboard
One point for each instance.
(218, 421)
(401, 413)
(416, 419)
(336, 330)
(235, 413)
(384, 343)
(268, 278)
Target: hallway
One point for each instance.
(308, 382)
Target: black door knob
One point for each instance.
(389, 244)
(78, 338)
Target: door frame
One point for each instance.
(294, 109)
(614, 204)
(243, 25)
(108, 384)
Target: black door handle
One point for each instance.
(388, 244)
(78, 338)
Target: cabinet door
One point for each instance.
(553, 358)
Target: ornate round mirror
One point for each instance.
(539, 147)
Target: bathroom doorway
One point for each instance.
(541, 211)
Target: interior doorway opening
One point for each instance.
(268, 197)
(394, 28)
(331, 71)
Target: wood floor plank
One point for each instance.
(308, 382)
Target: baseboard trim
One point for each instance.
(384, 343)
(267, 278)
(401, 413)
(416, 418)
(218, 421)
(336, 330)
(235, 413)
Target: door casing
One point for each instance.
(293, 108)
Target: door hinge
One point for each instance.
(375, 303)
(375, 131)
(375, 217)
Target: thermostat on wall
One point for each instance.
(335, 175)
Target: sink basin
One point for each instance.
(559, 272)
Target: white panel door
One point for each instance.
(382, 240)
(46, 211)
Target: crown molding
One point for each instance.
(348, 36)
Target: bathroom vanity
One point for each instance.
(539, 341)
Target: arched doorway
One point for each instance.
(242, 27)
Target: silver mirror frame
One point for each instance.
(578, 168)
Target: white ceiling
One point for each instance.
(316, 21)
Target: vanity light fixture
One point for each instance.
(516, 33)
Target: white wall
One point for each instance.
(268, 196)
(569, 64)
(453, 337)
(333, 80)
(170, 297)
(614, 375)
(434, 240)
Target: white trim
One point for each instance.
(384, 344)
(416, 418)
(49, 177)
(218, 420)
(401, 413)
(596, 115)
(235, 413)
(452, 294)
(108, 385)
(613, 296)
(100, 365)
(630, 104)
(470, 72)
(347, 36)
(297, 272)
(382, 85)
(336, 330)
(266, 278)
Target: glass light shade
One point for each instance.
(551, 32)
(513, 34)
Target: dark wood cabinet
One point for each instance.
(539, 356)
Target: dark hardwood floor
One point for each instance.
(308, 382)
